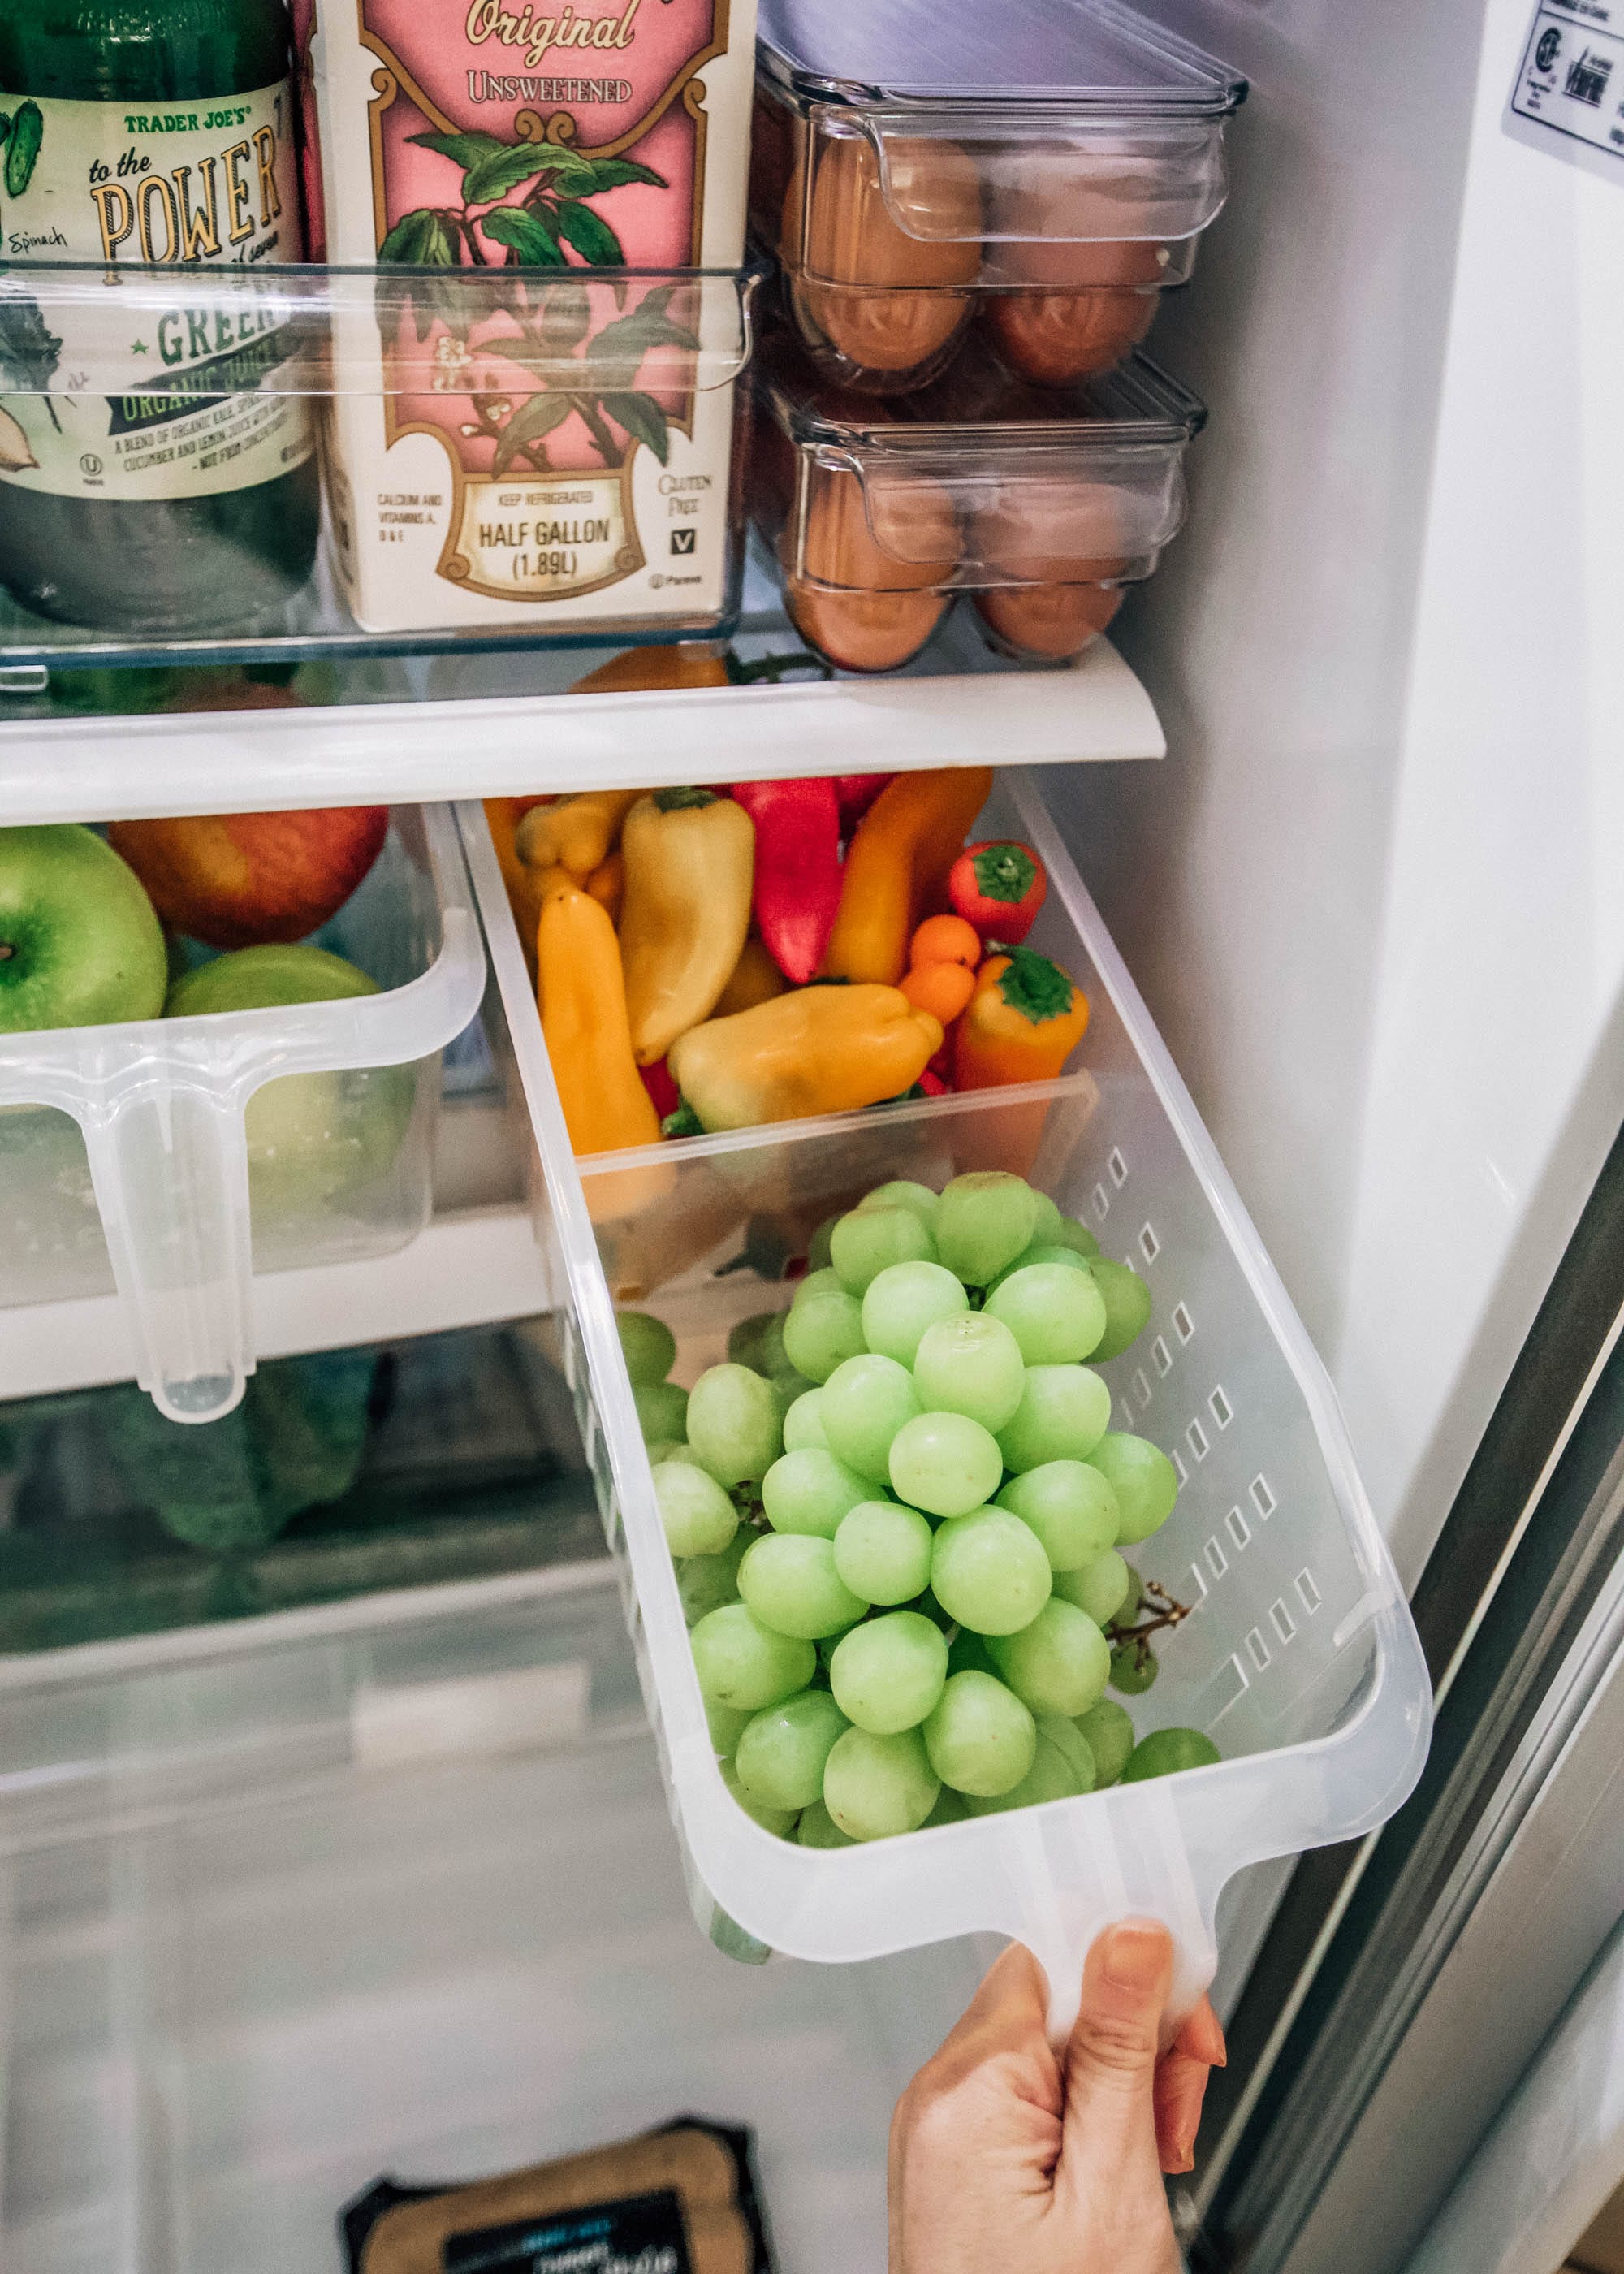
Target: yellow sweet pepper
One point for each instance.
(578, 833)
(690, 860)
(905, 842)
(821, 1049)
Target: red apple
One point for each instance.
(247, 879)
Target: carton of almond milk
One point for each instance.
(532, 428)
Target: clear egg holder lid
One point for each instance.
(1029, 486)
(1085, 124)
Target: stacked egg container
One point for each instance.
(975, 225)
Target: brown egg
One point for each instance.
(850, 237)
(884, 610)
(1050, 528)
(1053, 622)
(1056, 338)
(1100, 288)
(863, 631)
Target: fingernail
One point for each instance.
(1135, 1954)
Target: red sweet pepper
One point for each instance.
(856, 793)
(999, 886)
(798, 873)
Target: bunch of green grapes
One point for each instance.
(897, 1516)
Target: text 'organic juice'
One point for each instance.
(537, 445)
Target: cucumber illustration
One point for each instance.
(22, 149)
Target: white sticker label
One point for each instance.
(1571, 79)
(210, 183)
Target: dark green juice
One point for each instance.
(161, 133)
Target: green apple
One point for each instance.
(311, 1137)
(79, 944)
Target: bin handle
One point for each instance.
(169, 1163)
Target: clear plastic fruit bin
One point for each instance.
(1043, 172)
(1044, 506)
(1300, 1659)
(173, 1158)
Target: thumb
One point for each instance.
(1111, 2066)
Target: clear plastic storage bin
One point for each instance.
(1043, 170)
(1042, 506)
(507, 455)
(1300, 1658)
(172, 1158)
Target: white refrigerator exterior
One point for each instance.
(1376, 894)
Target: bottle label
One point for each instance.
(178, 185)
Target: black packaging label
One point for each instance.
(639, 2234)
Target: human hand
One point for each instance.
(1003, 2154)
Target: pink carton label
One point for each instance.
(506, 139)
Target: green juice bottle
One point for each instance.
(151, 133)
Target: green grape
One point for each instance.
(1100, 1588)
(990, 1572)
(887, 1673)
(811, 1491)
(787, 1391)
(983, 1221)
(1058, 1664)
(818, 1829)
(1134, 1669)
(662, 1410)
(1055, 1312)
(967, 1653)
(781, 1820)
(870, 1240)
(864, 1403)
(1042, 1252)
(902, 1301)
(822, 1331)
(740, 1662)
(1071, 1508)
(1166, 1752)
(789, 1580)
(925, 1603)
(1127, 1307)
(818, 1247)
(825, 1280)
(1068, 1739)
(877, 1787)
(705, 1583)
(1062, 1417)
(672, 1449)
(732, 1424)
(980, 1738)
(1108, 1732)
(803, 1424)
(758, 1343)
(698, 1517)
(1051, 1777)
(1144, 1480)
(883, 1552)
(950, 1809)
(944, 1464)
(1077, 1237)
(970, 1363)
(726, 1724)
(780, 1756)
(1046, 1226)
(903, 1194)
(647, 1345)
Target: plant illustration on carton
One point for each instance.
(537, 327)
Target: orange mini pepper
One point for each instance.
(1024, 1020)
(904, 844)
(589, 1036)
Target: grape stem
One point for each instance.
(1165, 1613)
